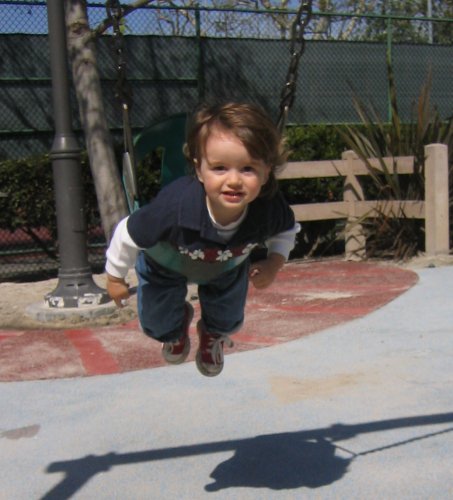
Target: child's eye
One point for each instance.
(218, 168)
(248, 169)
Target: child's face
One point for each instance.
(232, 178)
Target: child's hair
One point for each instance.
(250, 124)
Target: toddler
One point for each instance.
(201, 229)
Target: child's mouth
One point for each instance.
(233, 196)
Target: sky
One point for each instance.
(22, 16)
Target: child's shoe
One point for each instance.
(176, 352)
(209, 357)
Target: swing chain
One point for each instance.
(123, 93)
(123, 89)
(297, 48)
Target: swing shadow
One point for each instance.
(279, 461)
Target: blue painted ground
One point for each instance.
(361, 410)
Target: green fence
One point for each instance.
(177, 57)
(165, 75)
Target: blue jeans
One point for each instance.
(162, 293)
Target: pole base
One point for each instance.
(77, 292)
(70, 317)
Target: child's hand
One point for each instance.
(118, 290)
(263, 273)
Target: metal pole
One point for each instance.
(75, 287)
(389, 58)
(429, 13)
(200, 56)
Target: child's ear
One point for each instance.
(266, 175)
(196, 167)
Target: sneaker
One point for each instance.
(209, 357)
(176, 352)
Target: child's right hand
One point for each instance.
(118, 290)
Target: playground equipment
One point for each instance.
(169, 134)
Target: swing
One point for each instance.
(169, 133)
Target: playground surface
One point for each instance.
(307, 297)
(340, 387)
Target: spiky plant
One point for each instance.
(393, 235)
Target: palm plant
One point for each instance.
(392, 235)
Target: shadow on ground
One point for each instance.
(279, 461)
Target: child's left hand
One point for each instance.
(263, 273)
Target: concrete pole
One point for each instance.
(75, 287)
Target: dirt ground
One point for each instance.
(15, 298)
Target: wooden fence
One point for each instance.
(434, 209)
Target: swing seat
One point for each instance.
(168, 134)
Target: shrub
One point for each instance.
(398, 238)
(28, 203)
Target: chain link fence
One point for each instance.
(177, 57)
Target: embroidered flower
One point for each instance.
(222, 256)
(247, 249)
(197, 255)
(215, 255)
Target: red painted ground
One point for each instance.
(306, 298)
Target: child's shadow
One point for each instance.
(280, 461)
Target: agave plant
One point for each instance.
(393, 235)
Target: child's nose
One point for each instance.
(234, 177)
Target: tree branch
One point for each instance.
(127, 9)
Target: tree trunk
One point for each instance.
(82, 53)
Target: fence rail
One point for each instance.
(30, 16)
(354, 208)
(434, 210)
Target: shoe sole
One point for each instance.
(200, 365)
(203, 370)
(181, 358)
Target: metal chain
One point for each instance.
(297, 48)
(123, 92)
(123, 89)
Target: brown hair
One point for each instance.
(250, 124)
